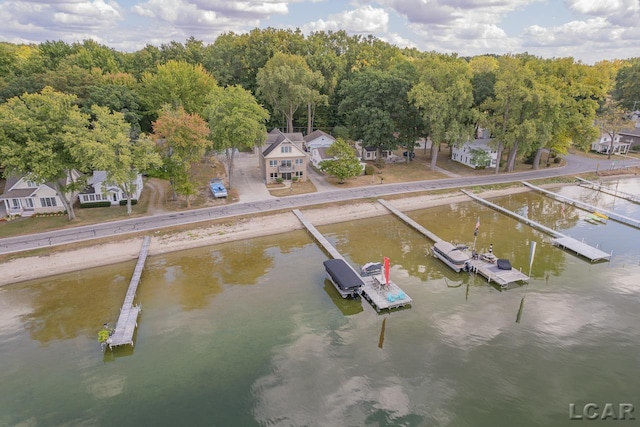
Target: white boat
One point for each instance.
(455, 257)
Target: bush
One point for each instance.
(294, 178)
(557, 159)
(369, 170)
(95, 205)
(124, 202)
(279, 180)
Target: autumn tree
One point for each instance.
(182, 139)
(627, 89)
(444, 95)
(236, 122)
(37, 139)
(287, 83)
(345, 163)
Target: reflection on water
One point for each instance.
(251, 333)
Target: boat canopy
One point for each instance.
(455, 254)
(343, 275)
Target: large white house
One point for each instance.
(99, 190)
(25, 197)
(603, 145)
(479, 153)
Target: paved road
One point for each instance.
(575, 165)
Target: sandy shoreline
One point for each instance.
(28, 268)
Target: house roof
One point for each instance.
(274, 135)
(322, 153)
(277, 139)
(481, 144)
(317, 134)
(18, 193)
(631, 132)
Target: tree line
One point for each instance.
(86, 106)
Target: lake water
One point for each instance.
(250, 333)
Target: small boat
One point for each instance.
(455, 257)
(601, 215)
(593, 219)
(344, 278)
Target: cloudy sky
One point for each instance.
(587, 30)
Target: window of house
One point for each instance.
(299, 161)
(273, 175)
(285, 163)
(273, 163)
(31, 184)
(15, 203)
(29, 202)
(48, 201)
(285, 149)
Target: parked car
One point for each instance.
(217, 188)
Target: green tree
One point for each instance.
(611, 120)
(627, 89)
(373, 104)
(286, 83)
(444, 94)
(176, 83)
(37, 136)
(236, 122)
(182, 139)
(345, 164)
(111, 149)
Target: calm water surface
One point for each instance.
(249, 333)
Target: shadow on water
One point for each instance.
(348, 306)
(110, 355)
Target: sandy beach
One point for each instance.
(32, 267)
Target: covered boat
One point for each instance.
(455, 257)
(345, 280)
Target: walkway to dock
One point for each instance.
(385, 297)
(128, 319)
(559, 239)
(409, 221)
(587, 207)
(599, 187)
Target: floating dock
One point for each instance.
(128, 319)
(559, 239)
(494, 274)
(381, 297)
(599, 187)
(587, 207)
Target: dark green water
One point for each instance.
(249, 333)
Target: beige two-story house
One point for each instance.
(283, 157)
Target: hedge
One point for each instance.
(96, 205)
(124, 202)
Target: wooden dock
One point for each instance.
(599, 187)
(559, 239)
(410, 222)
(492, 273)
(381, 297)
(128, 319)
(587, 207)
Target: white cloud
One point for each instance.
(363, 20)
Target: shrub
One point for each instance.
(557, 159)
(95, 205)
(124, 202)
(369, 170)
(294, 178)
(279, 180)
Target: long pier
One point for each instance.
(587, 207)
(559, 239)
(381, 297)
(410, 221)
(128, 319)
(599, 187)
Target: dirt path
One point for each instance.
(157, 196)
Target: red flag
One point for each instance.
(386, 270)
(475, 232)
